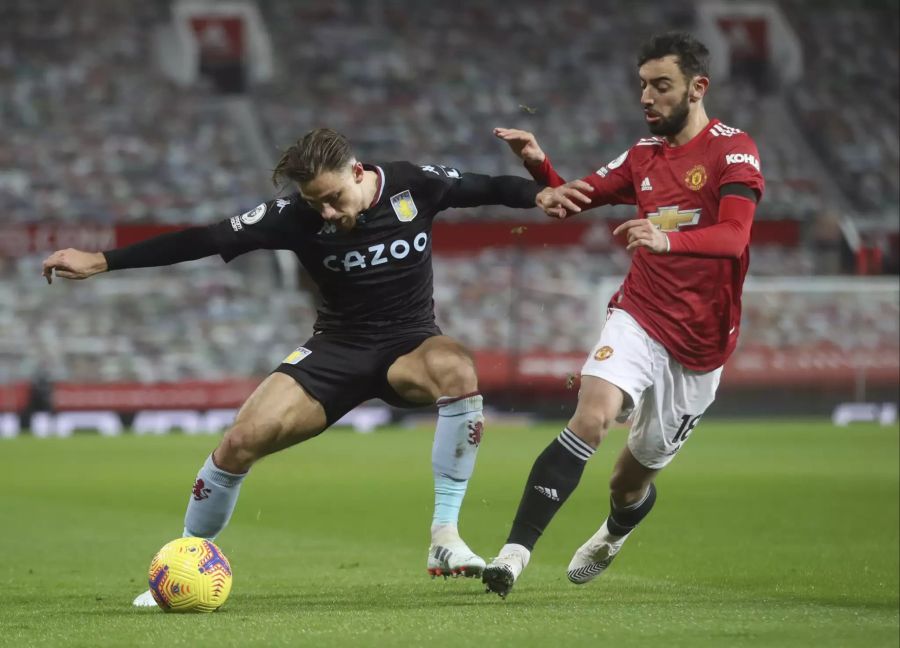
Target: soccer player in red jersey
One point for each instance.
(674, 321)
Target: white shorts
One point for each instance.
(666, 399)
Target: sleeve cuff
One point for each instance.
(540, 172)
(110, 256)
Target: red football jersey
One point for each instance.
(690, 304)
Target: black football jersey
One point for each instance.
(377, 275)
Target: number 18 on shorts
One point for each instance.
(666, 399)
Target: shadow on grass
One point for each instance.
(616, 592)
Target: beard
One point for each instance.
(675, 122)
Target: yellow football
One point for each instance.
(190, 575)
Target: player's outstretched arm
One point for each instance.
(524, 144)
(476, 189)
(165, 249)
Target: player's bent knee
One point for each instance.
(455, 375)
(590, 425)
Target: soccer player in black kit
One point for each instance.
(363, 232)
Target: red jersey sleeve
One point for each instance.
(612, 183)
(739, 162)
(727, 238)
(545, 174)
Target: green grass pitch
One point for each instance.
(765, 534)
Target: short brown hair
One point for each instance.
(693, 56)
(318, 151)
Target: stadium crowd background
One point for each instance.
(95, 134)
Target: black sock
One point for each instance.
(554, 476)
(622, 521)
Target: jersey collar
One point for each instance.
(677, 151)
(379, 186)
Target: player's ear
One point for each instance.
(358, 172)
(699, 85)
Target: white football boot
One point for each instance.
(500, 575)
(449, 555)
(144, 600)
(594, 556)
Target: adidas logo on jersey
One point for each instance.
(645, 185)
(548, 492)
(328, 227)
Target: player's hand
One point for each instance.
(564, 200)
(640, 232)
(522, 144)
(73, 264)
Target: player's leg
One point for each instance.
(667, 415)
(278, 414)
(554, 477)
(441, 371)
(632, 496)
(613, 379)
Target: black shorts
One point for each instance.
(343, 370)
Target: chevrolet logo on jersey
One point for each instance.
(669, 219)
(404, 206)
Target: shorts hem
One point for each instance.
(298, 377)
(652, 464)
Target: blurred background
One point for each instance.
(121, 120)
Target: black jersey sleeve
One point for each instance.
(474, 189)
(452, 188)
(271, 225)
(172, 247)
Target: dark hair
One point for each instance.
(320, 150)
(693, 56)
